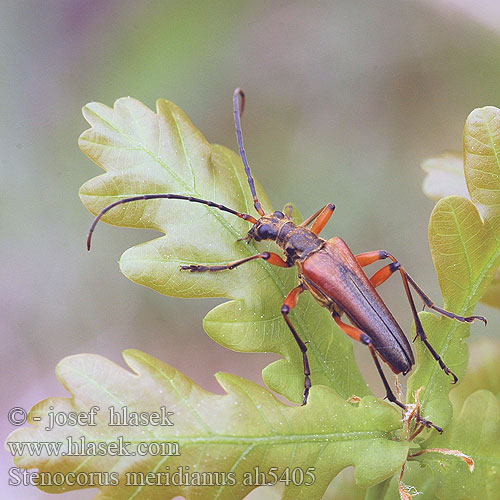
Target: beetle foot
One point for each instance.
(194, 268)
(412, 412)
(449, 372)
(471, 319)
(428, 424)
(307, 386)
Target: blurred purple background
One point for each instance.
(345, 99)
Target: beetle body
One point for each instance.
(337, 281)
(331, 273)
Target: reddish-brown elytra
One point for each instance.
(331, 273)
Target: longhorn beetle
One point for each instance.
(331, 273)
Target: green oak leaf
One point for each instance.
(466, 254)
(445, 177)
(435, 476)
(481, 142)
(492, 295)
(344, 487)
(483, 371)
(477, 430)
(445, 174)
(228, 434)
(146, 152)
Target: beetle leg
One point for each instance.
(371, 257)
(321, 217)
(367, 258)
(420, 329)
(360, 336)
(407, 280)
(351, 331)
(384, 273)
(312, 217)
(364, 259)
(270, 257)
(428, 302)
(289, 303)
(390, 395)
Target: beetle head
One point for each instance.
(267, 227)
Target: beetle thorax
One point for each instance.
(299, 243)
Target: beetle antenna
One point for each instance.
(247, 217)
(237, 114)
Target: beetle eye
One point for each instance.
(279, 214)
(266, 232)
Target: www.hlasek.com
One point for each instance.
(88, 448)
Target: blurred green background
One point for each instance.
(345, 99)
